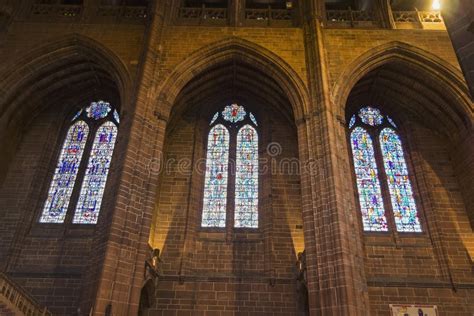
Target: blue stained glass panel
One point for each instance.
(234, 113)
(389, 119)
(215, 185)
(371, 116)
(61, 186)
(93, 185)
(401, 193)
(214, 118)
(77, 115)
(98, 110)
(246, 178)
(368, 185)
(352, 121)
(116, 116)
(253, 119)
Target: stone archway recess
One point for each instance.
(135, 207)
(449, 78)
(61, 71)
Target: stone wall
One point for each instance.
(50, 72)
(308, 79)
(241, 270)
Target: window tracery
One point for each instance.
(232, 134)
(97, 123)
(376, 145)
(93, 185)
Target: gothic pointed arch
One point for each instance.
(101, 120)
(72, 70)
(241, 50)
(441, 82)
(380, 165)
(81, 55)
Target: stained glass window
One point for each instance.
(352, 121)
(246, 178)
(61, 186)
(368, 185)
(215, 186)
(234, 113)
(94, 175)
(214, 118)
(371, 116)
(77, 115)
(98, 110)
(253, 119)
(116, 116)
(93, 185)
(401, 193)
(389, 119)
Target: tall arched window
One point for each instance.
(368, 185)
(61, 186)
(215, 189)
(92, 135)
(246, 178)
(232, 137)
(368, 127)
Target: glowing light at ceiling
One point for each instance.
(436, 5)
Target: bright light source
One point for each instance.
(436, 5)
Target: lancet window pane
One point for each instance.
(401, 193)
(215, 186)
(93, 185)
(368, 185)
(246, 178)
(61, 186)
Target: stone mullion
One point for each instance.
(126, 247)
(232, 165)
(335, 251)
(83, 164)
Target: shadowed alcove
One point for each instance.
(226, 263)
(430, 120)
(36, 113)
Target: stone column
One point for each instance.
(236, 11)
(337, 284)
(124, 240)
(384, 11)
